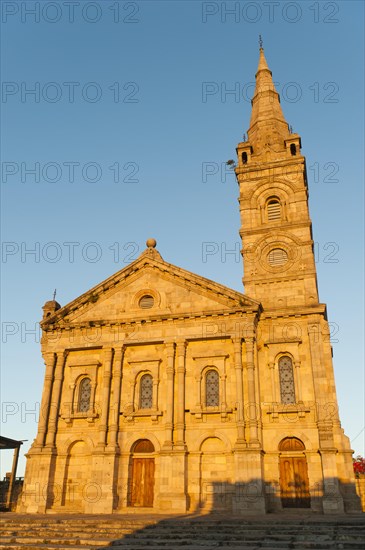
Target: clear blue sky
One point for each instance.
(134, 100)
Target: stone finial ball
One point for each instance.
(151, 243)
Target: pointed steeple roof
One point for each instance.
(268, 125)
(262, 62)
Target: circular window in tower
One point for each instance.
(277, 257)
(146, 302)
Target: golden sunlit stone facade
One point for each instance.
(167, 392)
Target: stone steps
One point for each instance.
(257, 546)
(246, 535)
(76, 532)
(41, 546)
(275, 532)
(253, 546)
(57, 541)
(66, 533)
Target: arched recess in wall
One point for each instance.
(284, 190)
(77, 489)
(213, 475)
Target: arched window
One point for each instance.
(212, 388)
(273, 210)
(286, 377)
(143, 446)
(293, 149)
(84, 395)
(146, 392)
(291, 444)
(244, 157)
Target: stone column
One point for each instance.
(72, 408)
(172, 495)
(115, 406)
(49, 359)
(237, 343)
(92, 394)
(252, 405)
(332, 499)
(169, 423)
(55, 400)
(248, 456)
(156, 381)
(198, 381)
(298, 385)
(223, 396)
(105, 399)
(320, 383)
(180, 416)
(271, 366)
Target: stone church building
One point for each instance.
(168, 392)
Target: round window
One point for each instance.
(277, 257)
(146, 302)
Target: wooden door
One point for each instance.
(143, 480)
(294, 483)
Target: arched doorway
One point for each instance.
(294, 483)
(142, 476)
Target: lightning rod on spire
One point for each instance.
(261, 44)
(54, 294)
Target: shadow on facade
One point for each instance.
(239, 499)
(256, 496)
(244, 503)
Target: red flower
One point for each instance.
(359, 465)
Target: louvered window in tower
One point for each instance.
(212, 388)
(146, 390)
(277, 257)
(84, 395)
(286, 377)
(273, 210)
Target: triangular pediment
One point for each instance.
(173, 291)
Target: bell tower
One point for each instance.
(276, 230)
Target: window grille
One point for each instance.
(146, 392)
(84, 395)
(212, 388)
(273, 210)
(287, 390)
(277, 256)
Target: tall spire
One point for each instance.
(268, 126)
(275, 222)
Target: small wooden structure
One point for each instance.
(7, 443)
